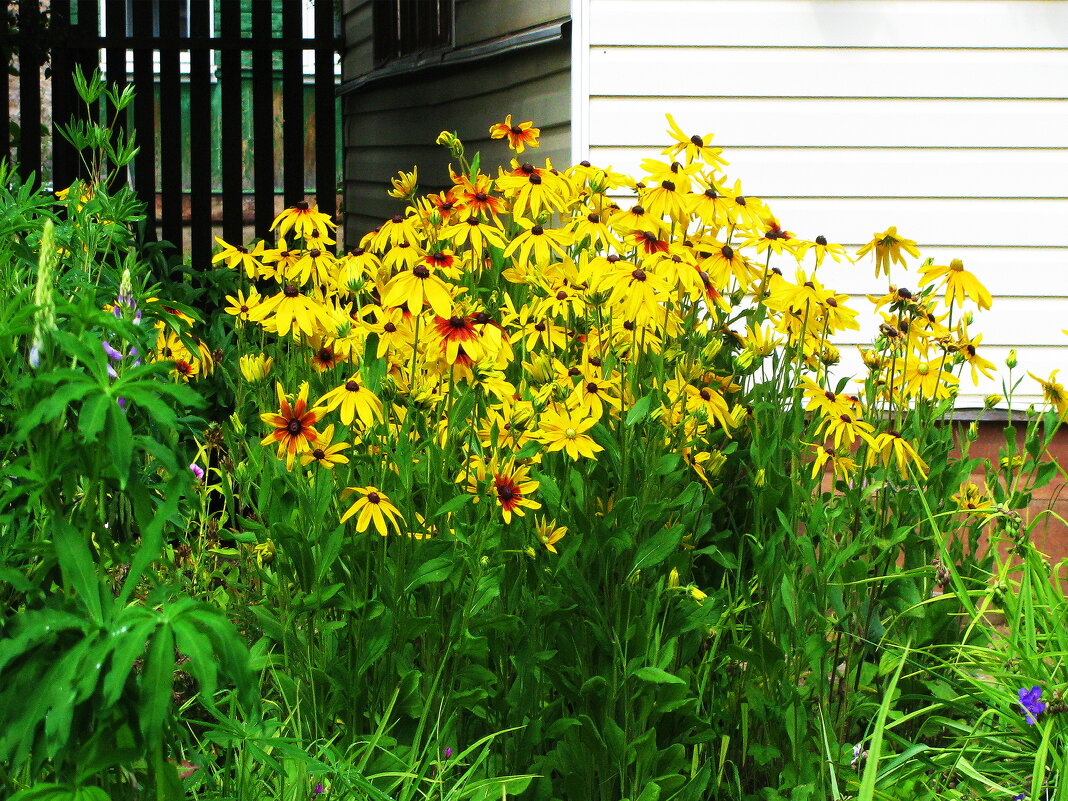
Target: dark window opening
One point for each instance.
(406, 27)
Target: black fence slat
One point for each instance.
(293, 127)
(144, 116)
(263, 120)
(232, 137)
(201, 121)
(64, 97)
(115, 67)
(325, 110)
(5, 116)
(29, 95)
(170, 130)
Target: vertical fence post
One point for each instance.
(29, 91)
(170, 123)
(145, 117)
(115, 67)
(231, 134)
(201, 120)
(293, 127)
(263, 116)
(325, 109)
(64, 97)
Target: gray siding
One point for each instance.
(392, 126)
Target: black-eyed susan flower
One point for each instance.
(405, 185)
(303, 219)
(929, 379)
(893, 450)
(476, 198)
(888, 246)
(412, 288)
(566, 430)
(290, 309)
(539, 242)
(845, 428)
(959, 283)
(324, 451)
(238, 256)
(695, 147)
(294, 426)
(972, 499)
(821, 248)
(520, 136)
(1053, 392)
(455, 332)
(241, 305)
(548, 533)
(373, 506)
(511, 486)
(355, 400)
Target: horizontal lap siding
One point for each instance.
(393, 126)
(946, 118)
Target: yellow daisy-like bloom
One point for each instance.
(889, 448)
(695, 147)
(294, 430)
(548, 533)
(567, 431)
(238, 256)
(959, 283)
(412, 288)
(538, 241)
(1054, 393)
(323, 452)
(520, 136)
(972, 499)
(302, 218)
(843, 466)
(373, 506)
(845, 427)
(822, 248)
(241, 306)
(888, 246)
(512, 487)
(355, 400)
(290, 309)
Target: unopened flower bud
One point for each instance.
(1010, 360)
(992, 400)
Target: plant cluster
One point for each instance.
(548, 489)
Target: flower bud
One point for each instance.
(1010, 360)
(992, 400)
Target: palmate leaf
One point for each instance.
(157, 684)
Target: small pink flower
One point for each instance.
(198, 471)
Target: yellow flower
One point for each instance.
(888, 246)
(304, 219)
(323, 453)
(1054, 393)
(959, 283)
(375, 507)
(255, 368)
(241, 306)
(412, 288)
(264, 552)
(355, 400)
(549, 534)
(519, 136)
(512, 486)
(566, 431)
(693, 146)
(293, 425)
(972, 499)
(890, 446)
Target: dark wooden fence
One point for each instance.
(207, 137)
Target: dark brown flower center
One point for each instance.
(420, 271)
(705, 395)
(302, 206)
(516, 130)
(638, 275)
(389, 328)
(668, 185)
(728, 252)
(740, 200)
(374, 497)
(697, 140)
(535, 179)
(316, 253)
(457, 322)
(294, 426)
(537, 230)
(352, 386)
(637, 211)
(291, 291)
(594, 218)
(319, 453)
(561, 295)
(481, 197)
(821, 240)
(527, 168)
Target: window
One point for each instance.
(407, 27)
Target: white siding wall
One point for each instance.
(946, 118)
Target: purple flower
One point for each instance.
(319, 789)
(112, 353)
(198, 471)
(448, 753)
(1031, 702)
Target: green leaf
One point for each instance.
(429, 572)
(157, 684)
(119, 442)
(640, 410)
(131, 638)
(657, 548)
(453, 504)
(657, 676)
(78, 566)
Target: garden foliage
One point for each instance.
(546, 488)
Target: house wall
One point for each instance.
(392, 126)
(945, 118)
